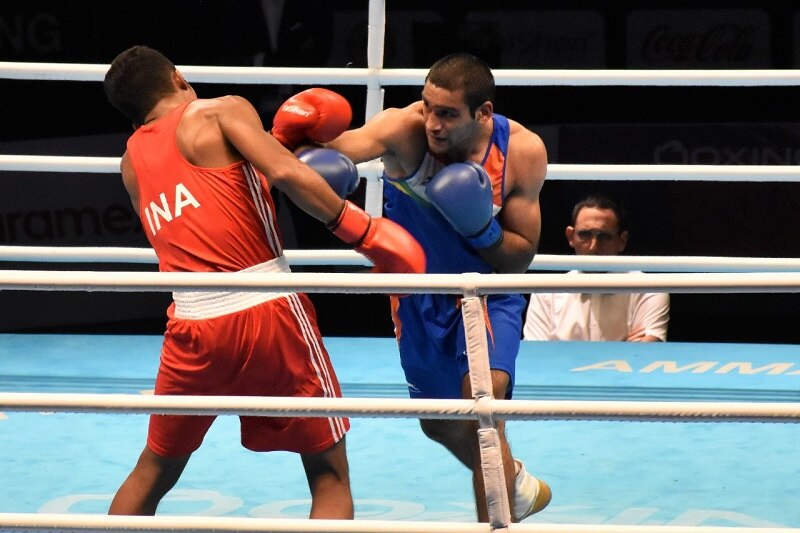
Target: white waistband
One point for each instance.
(197, 305)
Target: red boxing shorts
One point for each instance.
(273, 348)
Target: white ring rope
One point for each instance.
(607, 263)
(413, 76)
(279, 406)
(467, 284)
(555, 171)
(211, 524)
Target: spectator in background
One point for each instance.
(598, 228)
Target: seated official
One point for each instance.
(598, 228)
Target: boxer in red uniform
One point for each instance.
(198, 172)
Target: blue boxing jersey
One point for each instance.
(429, 327)
(446, 250)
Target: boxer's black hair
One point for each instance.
(467, 72)
(137, 79)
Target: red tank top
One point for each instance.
(200, 219)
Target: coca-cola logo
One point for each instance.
(722, 43)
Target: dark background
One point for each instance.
(616, 125)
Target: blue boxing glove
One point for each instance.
(462, 192)
(337, 169)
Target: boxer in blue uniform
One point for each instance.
(465, 182)
(430, 327)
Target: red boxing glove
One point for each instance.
(390, 247)
(315, 115)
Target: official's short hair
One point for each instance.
(137, 79)
(467, 72)
(601, 201)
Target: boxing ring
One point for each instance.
(738, 471)
(597, 421)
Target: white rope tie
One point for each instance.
(480, 376)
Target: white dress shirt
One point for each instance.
(595, 317)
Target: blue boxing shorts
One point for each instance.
(430, 335)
